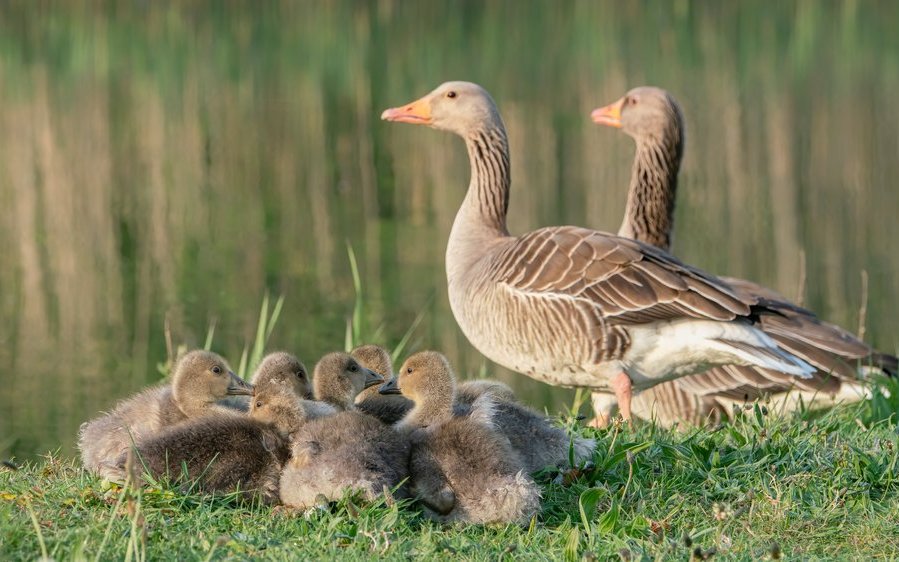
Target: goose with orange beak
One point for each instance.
(653, 118)
(572, 306)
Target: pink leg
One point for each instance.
(621, 384)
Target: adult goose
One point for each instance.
(653, 118)
(572, 306)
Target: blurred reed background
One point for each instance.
(181, 159)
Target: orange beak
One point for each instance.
(417, 113)
(609, 115)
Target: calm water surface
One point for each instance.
(176, 162)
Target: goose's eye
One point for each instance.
(630, 101)
(451, 94)
(217, 370)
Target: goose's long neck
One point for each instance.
(481, 219)
(649, 215)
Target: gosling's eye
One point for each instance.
(301, 375)
(353, 368)
(258, 404)
(451, 94)
(217, 370)
(630, 101)
(409, 370)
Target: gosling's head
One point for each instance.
(339, 378)
(278, 405)
(463, 108)
(282, 368)
(426, 378)
(645, 113)
(374, 357)
(202, 377)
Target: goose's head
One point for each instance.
(339, 378)
(458, 107)
(375, 358)
(643, 113)
(203, 377)
(424, 378)
(278, 406)
(282, 368)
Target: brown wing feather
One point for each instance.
(628, 281)
(835, 352)
(796, 323)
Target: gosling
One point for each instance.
(277, 368)
(462, 468)
(348, 452)
(392, 408)
(540, 444)
(201, 379)
(225, 453)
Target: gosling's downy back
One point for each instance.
(469, 391)
(350, 451)
(221, 453)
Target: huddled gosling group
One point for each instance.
(463, 452)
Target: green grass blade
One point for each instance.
(242, 366)
(37, 529)
(273, 319)
(401, 346)
(210, 334)
(357, 286)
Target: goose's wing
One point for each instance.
(750, 383)
(833, 351)
(625, 281)
(794, 323)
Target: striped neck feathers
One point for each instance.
(649, 215)
(487, 200)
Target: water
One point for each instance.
(175, 162)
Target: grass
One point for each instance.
(813, 485)
(809, 486)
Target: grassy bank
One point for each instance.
(808, 486)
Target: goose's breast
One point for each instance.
(549, 339)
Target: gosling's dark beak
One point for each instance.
(239, 387)
(390, 387)
(372, 378)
